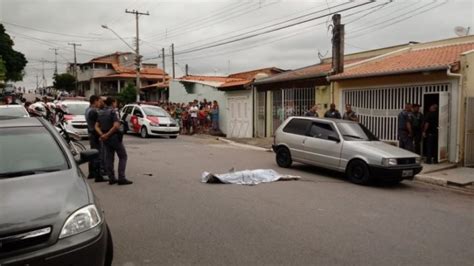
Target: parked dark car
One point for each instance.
(48, 213)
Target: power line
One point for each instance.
(200, 19)
(270, 30)
(279, 38)
(226, 17)
(403, 18)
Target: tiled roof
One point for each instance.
(317, 70)
(203, 78)
(251, 74)
(130, 75)
(409, 61)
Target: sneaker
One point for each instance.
(125, 182)
(112, 181)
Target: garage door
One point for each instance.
(240, 121)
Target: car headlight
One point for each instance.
(80, 221)
(389, 161)
(154, 125)
(418, 160)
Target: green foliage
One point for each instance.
(65, 82)
(15, 62)
(128, 94)
(2, 70)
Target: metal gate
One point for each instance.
(378, 108)
(291, 102)
(260, 114)
(469, 140)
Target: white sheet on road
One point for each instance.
(246, 177)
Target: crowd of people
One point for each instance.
(199, 117)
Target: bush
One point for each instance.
(128, 94)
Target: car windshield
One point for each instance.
(18, 157)
(154, 111)
(355, 132)
(76, 108)
(17, 111)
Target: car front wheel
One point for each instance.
(358, 172)
(144, 133)
(283, 157)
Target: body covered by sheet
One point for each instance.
(246, 177)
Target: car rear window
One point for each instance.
(76, 108)
(31, 149)
(297, 126)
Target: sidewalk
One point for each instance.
(443, 174)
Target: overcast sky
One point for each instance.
(38, 25)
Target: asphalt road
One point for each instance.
(168, 217)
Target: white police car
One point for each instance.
(148, 120)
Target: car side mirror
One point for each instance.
(334, 138)
(87, 156)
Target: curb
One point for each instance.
(246, 146)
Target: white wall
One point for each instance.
(179, 94)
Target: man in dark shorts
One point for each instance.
(417, 123)
(108, 127)
(92, 115)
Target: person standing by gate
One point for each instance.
(332, 112)
(417, 122)
(108, 127)
(430, 133)
(405, 130)
(349, 114)
(313, 112)
(91, 115)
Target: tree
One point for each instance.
(128, 94)
(15, 62)
(2, 70)
(65, 82)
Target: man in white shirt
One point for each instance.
(193, 110)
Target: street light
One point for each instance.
(137, 59)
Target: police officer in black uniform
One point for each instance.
(92, 115)
(109, 129)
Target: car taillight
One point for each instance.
(68, 117)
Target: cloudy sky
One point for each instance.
(198, 28)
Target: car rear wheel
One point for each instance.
(283, 157)
(144, 132)
(358, 172)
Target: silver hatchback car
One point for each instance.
(343, 146)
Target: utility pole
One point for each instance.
(55, 60)
(337, 45)
(43, 76)
(163, 59)
(75, 61)
(137, 51)
(172, 60)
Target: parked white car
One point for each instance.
(75, 116)
(14, 110)
(343, 146)
(149, 120)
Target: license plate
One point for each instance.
(407, 173)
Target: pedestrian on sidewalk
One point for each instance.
(193, 110)
(349, 114)
(417, 128)
(91, 115)
(430, 133)
(215, 116)
(108, 127)
(332, 112)
(405, 129)
(312, 112)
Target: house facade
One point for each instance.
(426, 73)
(108, 74)
(292, 93)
